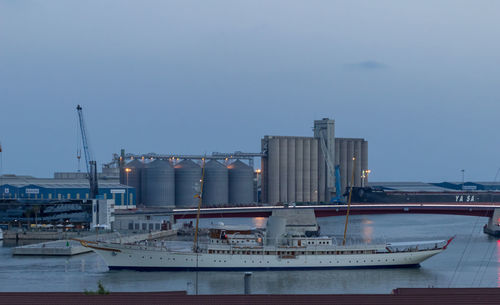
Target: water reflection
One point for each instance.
(367, 231)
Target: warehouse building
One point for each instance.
(302, 169)
(27, 187)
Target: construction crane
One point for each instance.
(89, 159)
(338, 197)
(334, 170)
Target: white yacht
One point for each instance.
(291, 241)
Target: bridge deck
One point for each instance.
(483, 210)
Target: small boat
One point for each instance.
(1, 234)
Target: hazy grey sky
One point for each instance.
(420, 80)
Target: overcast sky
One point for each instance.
(419, 80)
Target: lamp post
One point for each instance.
(364, 175)
(127, 170)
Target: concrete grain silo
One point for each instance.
(158, 184)
(187, 183)
(306, 170)
(273, 176)
(131, 175)
(215, 184)
(302, 169)
(240, 183)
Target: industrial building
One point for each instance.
(294, 169)
(27, 187)
(302, 169)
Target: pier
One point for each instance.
(68, 247)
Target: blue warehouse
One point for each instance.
(27, 187)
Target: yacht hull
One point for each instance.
(154, 260)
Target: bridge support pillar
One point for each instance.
(493, 226)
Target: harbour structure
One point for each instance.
(31, 188)
(294, 169)
(302, 169)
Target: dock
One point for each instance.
(52, 248)
(41, 235)
(68, 247)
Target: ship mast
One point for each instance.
(200, 199)
(349, 201)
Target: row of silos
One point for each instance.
(160, 183)
(295, 168)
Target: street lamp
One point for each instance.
(127, 170)
(364, 175)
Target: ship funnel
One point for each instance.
(275, 229)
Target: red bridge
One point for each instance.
(482, 210)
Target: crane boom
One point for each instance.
(89, 160)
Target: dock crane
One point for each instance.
(89, 158)
(334, 170)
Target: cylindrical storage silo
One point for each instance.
(131, 175)
(350, 162)
(306, 182)
(215, 184)
(344, 160)
(187, 183)
(291, 170)
(337, 162)
(337, 152)
(158, 184)
(364, 160)
(264, 180)
(240, 183)
(273, 181)
(299, 170)
(283, 169)
(314, 170)
(357, 153)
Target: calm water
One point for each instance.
(472, 260)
